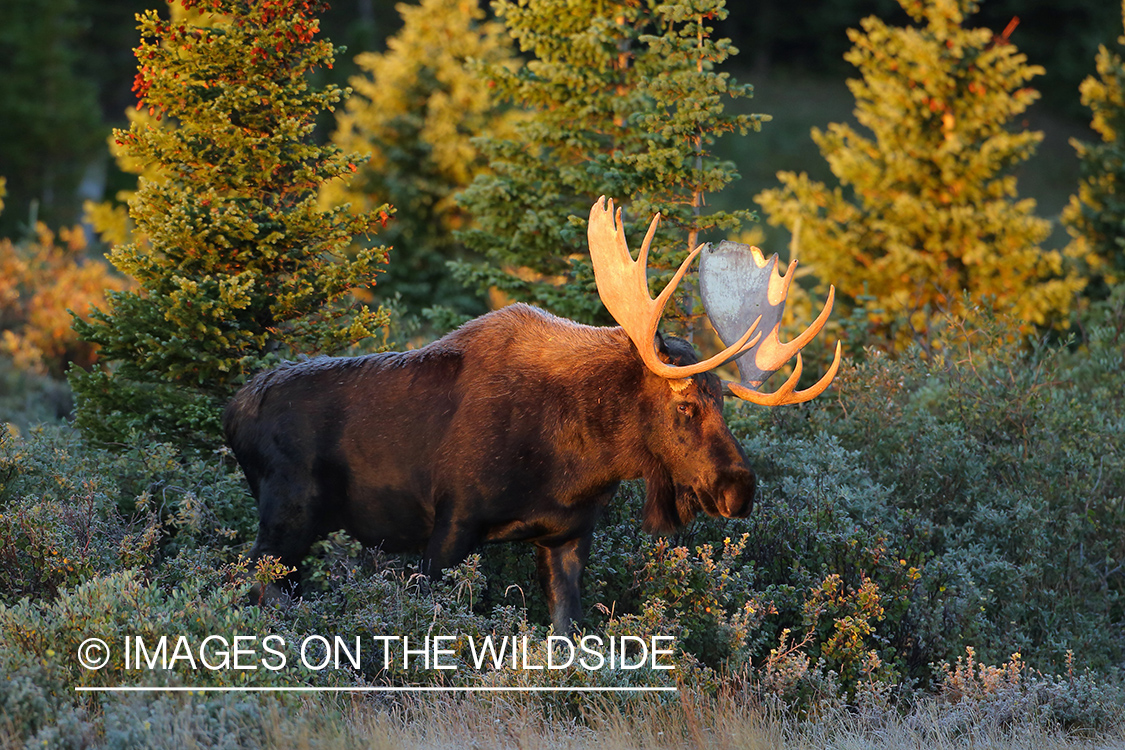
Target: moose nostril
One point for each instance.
(737, 500)
(742, 506)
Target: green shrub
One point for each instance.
(980, 490)
(41, 638)
(28, 398)
(70, 511)
(59, 524)
(1011, 693)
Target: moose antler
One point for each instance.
(623, 286)
(759, 292)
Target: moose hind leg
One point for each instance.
(560, 574)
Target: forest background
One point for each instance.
(76, 67)
(946, 527)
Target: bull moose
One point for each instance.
(517, 426)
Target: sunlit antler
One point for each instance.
(786, 393)
(739, 283)
(623, 286)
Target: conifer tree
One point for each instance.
(415, 111)
(239, 266)
(927, 206)
(1095, 217)
(624, 100)
(50, 124)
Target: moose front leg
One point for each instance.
(560, 574)
(449, 545)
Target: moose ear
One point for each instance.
(660, 515)
(661, 347)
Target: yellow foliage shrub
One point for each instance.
(41, 282)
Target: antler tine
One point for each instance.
(787, 394)
(623, 287)
(772, 354)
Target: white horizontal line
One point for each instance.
(403, 689)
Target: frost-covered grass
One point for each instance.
(499, 723)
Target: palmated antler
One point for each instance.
(623, 286)
(738, 285)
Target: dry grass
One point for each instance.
(521, 723)
(499, 723)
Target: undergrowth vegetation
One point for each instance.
(947, 527)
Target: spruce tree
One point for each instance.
(239, 267)
(50, 124)
(415, 112)
(624, 100)
(927, 206)
(1095, 217)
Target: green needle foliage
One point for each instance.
(927, 206)
(50, 128)
(624, 100)
(416, 110)
(1095, 216)
(238, 265)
